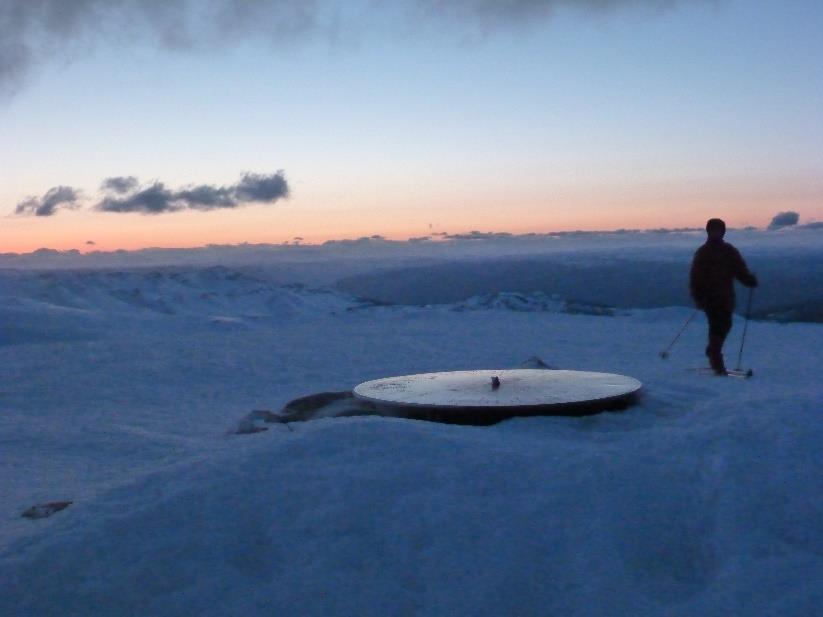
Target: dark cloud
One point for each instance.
(528, 9)
(60, 197)
(15, 61)
(258, 187)
(784, 219)
(153, 199)
(491, 14)
(157, 198)
(125, 194)
(32, 31)
(119, 184)
(206, 197)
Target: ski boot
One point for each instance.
(717, 364)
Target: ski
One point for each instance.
(706, 370)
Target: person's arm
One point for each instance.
(741, 270)
(696, 278)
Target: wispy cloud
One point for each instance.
(34, 31)
(495, 13)
(60, 197)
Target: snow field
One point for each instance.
(705, 499)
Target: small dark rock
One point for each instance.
(43, 510)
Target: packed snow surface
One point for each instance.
(121, 392)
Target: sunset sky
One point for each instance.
(327, 120)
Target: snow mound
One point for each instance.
(23, 322)
(376, 516)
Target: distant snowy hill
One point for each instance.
(70, 305)
(67, 304)
(171, 291)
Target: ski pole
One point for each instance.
(665, 353)
(745, 327)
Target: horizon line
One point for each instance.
(433, 238)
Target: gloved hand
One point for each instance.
(753, 282)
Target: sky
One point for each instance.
(129, 124)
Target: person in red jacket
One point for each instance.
(715, 266)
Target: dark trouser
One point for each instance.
(720, 322)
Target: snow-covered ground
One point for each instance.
(120, 391)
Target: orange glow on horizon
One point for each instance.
(66, 240)
(539, 211)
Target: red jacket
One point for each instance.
(711, 281)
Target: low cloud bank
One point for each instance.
(668, 244)
(505, 235)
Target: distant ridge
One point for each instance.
(531, 303)
(790, 288)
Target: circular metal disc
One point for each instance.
(520, 391)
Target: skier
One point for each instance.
(711, 282)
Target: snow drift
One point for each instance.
(705, 499)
